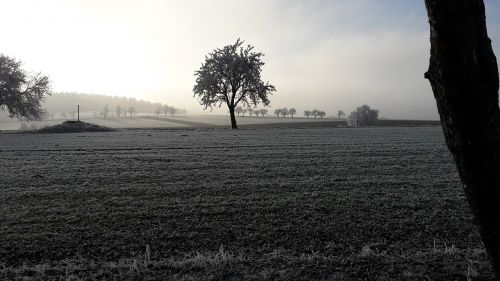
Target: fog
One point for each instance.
(319, 54)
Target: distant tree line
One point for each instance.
(64, 105)
(170, 110)
(241, 111)
(314, 113)
(281, 112)
(284, 112)
(126, 112)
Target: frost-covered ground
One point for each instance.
(118, 123)
(223, 120)
(218, 204)
(179, 121)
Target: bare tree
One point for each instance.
(315, 113)
(321, 114)
(292, 111)
(363, 116)
(277, 112)
(105, 111)
(118, 111)
(340, 114)
(307, 113)
(172, 110)
(231, 76)
(131, 111)
(250, 111)
(284, 112)
(238, 110)
(263, 112)
(463, 73)
(21, 94)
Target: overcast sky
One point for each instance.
(324, 54)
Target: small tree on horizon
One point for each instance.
(238, 110)
(231, 76)
(315, 113)
(292, 111)
(118, 111)
(363, 116)
(340, 114)
(321, 114)
(284, 112)
(263, 112)
(307, 113)
(277, 112)
(166, 109)
(131, 111)
(172, 110)
(105, 111)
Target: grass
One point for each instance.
(205, 266)
(223, 265)
(285, 204)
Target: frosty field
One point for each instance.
(182, 121)
(218, 204)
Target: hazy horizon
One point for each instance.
(329, 55)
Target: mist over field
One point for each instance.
(249, 140)
(339, 54)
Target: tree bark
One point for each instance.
(463, 73)
(233, 118)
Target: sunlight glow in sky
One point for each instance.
(325, 54)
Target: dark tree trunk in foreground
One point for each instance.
(463, 73)
(233, 118)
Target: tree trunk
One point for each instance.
(233, 118)
(463, 73)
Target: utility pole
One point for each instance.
(78, 113)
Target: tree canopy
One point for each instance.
(21, 93)
(363, 116)
(231, 76)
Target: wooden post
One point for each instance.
(78, 113)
